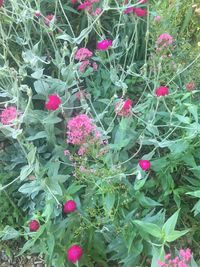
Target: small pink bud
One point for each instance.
(74, 253)
(69, 206)
(144, 164)
(34, 225)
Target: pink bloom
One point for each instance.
(37, 13)
(95, 66)
(82, 150)
(8, 115)
(185, 254)
(97, 12)
(85, 5)
(161, 264)
(66, 152)
(80, 129)
(164, 40)
(34, 226)
(73, 2)
(53, 102)
(157, 18)
(83, 53)
(190, 86)
(69, 206)
(48, 19)
(123, 108)
(140, 12)
(84, 65)
(162, 91)
(167, 256)
(145, 164)
(104, 45)
(74, 253)
(1, 3)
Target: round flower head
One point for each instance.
(82, 54)
(69, 206)
(140, 12)
(34, 225)
(164, 40)
(190, 86)
(48, 19)
(123, 108)
(74, 253)
(53, 102)
(104, 45)
(85, 6)
(8, 115)
(145, 164)
(162, 91)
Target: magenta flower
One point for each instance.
(123, 108)
(69, 206)
(85, 6)
(104, 45)
(164, 40)
(84, 65)
(162, 91)
(53, 102)
(74, 253)
(34, 226)
(48, 19)
(145, 164)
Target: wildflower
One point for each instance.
(82, 150)
(104, 44)
(185, 254)
(145, 164)
(48, 19)
(73, 2)
(143, 1)
(95, 66)
(123, 108)
(138, 11)
(34, 225)
(74, 253)
(1, 3)
(162, 91)
(85, 5)
(66, 152)
(97, 12)
(157, 18)
(84, 65)
(164, 40)
(37, 14)
(69, 206)
(83, 54)
(8, 115)
(190, 86)
(53, 102)
(79, 129)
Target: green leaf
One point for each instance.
(149, 228)
(175, 235)
(38, 135)
(9, 233)
(109, 201)
(73, 188)
(158, 254)
(170, 224)
(194, 194)
(37, 74)
(25, 172)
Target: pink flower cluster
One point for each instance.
(88, 6)
(80, 129)
(8, 115)
(164, 40)
(83, 54)
(182, 260)
(140, 12)
(123, 108)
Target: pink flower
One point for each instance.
(73, 2)
(97, 12)
(74, 253)
(48, 19)
(37, 14)
(95, 66)
(66, 152)
(80, 129)
(157, 18)
(185, 254)
(138, 11)
(83, 53)
(167, 256)
(162, 91)
(164, 40)
(53, 102)
(82, 150)
(145, 164)
(143, 1)
(1, 3)
(85, 5)
(84, 65)
(190, 86)
(69, 206)
(34, 225)
(123, 108)
(8, 115)
(104, 45)
(161, 264)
